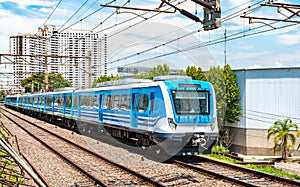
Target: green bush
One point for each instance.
(219, 149)
(223, 158)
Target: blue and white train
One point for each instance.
(172, 113)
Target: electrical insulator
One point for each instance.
(212, 16)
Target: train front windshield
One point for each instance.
(191, 102)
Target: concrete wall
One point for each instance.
(254, 142)
(266, 95)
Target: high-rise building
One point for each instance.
(80, 56)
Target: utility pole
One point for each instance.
(225, 47)
(46, 63)
(46, 74)
(90, 69)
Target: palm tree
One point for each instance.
(281, 130)
(298, 134)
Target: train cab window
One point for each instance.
(143, 103)
(191, 102)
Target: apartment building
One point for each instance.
(75, 54)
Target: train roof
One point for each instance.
(118, 85)
(171, 77)
(122, 82)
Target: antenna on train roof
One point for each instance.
(171, 77)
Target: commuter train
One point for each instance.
(171, 113)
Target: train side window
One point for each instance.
(106, 102)
(68, 101)
(116, 102)
(58, 101)
(95, 101)
(85, 101)
(35, 100)
(125, 102)
(75, 101)
(152, 98)
(49, 101)
(143, 103)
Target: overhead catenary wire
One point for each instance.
(52, 13)
(73, 15)
(210, 43)
(207, 44)
(181, 37)
(123, 22)
(101, 23)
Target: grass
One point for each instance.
(266, 169)
(274, 171)
(223, 158)
(10, 175)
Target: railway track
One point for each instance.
(206, 172)
(234, 173)
(98, 169)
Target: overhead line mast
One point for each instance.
(46, 64)
(292, 9)
(212, 12)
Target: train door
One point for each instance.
(100, 106)
(133, 111)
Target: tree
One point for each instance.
(155, 71)
(196, 73)
(182, 72)
(57, 81)
(215, 76)
(283, 138)
(2, 95)
(233, 111)
(104, 78)
(38, 83)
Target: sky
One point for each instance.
(149, 38)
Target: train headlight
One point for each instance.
(172, 124)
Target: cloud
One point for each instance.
(15, 24)
(23, 4)
(278, 64)
(255, 66)
(46, 10)
(290, 39)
